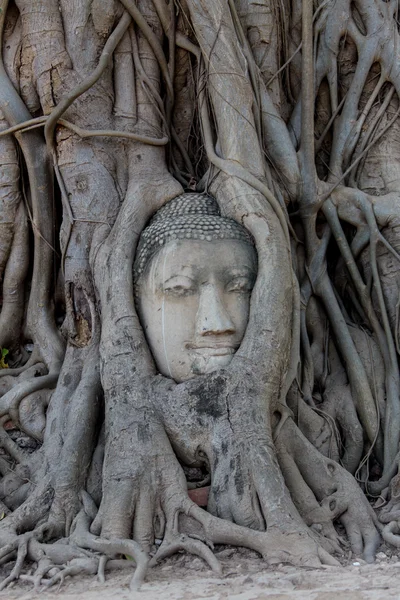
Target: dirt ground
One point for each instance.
(245, 578)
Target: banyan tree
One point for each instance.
(200, 281)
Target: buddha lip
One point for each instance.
(216, 349)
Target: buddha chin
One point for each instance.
(207, 362)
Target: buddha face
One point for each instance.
(193, 301)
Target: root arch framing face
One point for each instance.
(199, 282)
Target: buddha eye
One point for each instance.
(240, 284)
(178, 290)
(179, 287)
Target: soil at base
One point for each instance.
(246, 577)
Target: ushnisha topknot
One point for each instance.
(189, 216)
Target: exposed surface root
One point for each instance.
(173, 543)
(12, 399)
(78, 566)
(110, 547)
(390, 533)
(335, 490)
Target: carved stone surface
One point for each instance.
(194, 273)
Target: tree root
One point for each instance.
(33, 360)
(335, 489)
(12, 399)
(85, 566)
(391, 533)
(82, 537)
(78, 566)
(176, 542)
(296, 547)
(67, 556)
(44, 566)
(22, 552)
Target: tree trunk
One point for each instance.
(285, 113)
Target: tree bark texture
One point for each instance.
(285, 112)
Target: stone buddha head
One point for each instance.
(194, 271)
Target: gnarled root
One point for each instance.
(391, 533)
(82, 537)
(153, 502)
(296, 547)
(333, 488)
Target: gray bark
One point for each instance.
(286, 116)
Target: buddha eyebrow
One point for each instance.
(184, 270)
(177, 275)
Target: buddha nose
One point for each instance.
(212, 317)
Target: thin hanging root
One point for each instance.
(236, 170)
(85, 133)
(105, 57)
(372, 129)
(347, 172)
(154, 44)
(381, 238)
(179, 541)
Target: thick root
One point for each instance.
(78, 566)
(334, 489)
(22, 553)
(82, 537)
(177, 542)
(391, 533)
(9, 403)
(297, 548)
